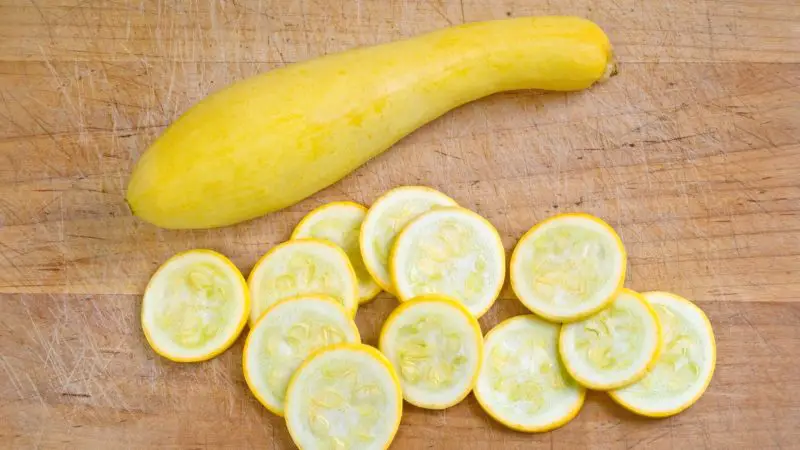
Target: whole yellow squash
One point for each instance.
(272, 140)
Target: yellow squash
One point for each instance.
(272, 140)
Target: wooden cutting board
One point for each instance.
(692, 153)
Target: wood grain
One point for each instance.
(692, 153)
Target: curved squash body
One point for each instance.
(274, 139)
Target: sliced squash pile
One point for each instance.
(386, 219)
(340, 223)
(285, 335)
(683, 370)
(654, 352)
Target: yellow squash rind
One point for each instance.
(269, 141)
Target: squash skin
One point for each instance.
(271, 140)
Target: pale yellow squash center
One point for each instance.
(196, 304)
